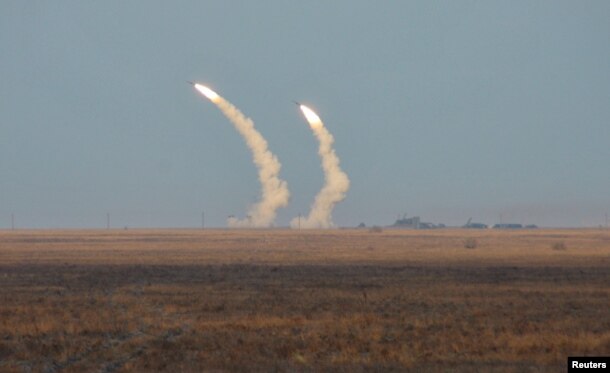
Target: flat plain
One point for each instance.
(289, 300)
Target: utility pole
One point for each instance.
(108, 220)
(203, 220)
(12, 221)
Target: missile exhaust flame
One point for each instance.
(336, 182)
(274, 192)
(211, 95)
(312, 118)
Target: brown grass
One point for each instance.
(281, 300)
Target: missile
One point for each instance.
(297, 103)
(189, 82)
(311, 116)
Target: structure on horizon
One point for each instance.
(414, 223)
(470, 225)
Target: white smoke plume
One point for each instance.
(336, 182)
(274, 193)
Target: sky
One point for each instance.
(495, 110)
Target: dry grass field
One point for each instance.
(282, 300)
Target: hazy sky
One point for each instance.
(447, 110)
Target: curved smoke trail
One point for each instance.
(274, 192)
(336, 182)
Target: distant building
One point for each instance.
(508, 226)
(476, 226)
(470, 225)
(423, 225)
(414, 223)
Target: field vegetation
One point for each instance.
(302, 301)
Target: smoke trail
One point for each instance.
(274, 192)
(336, 182)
